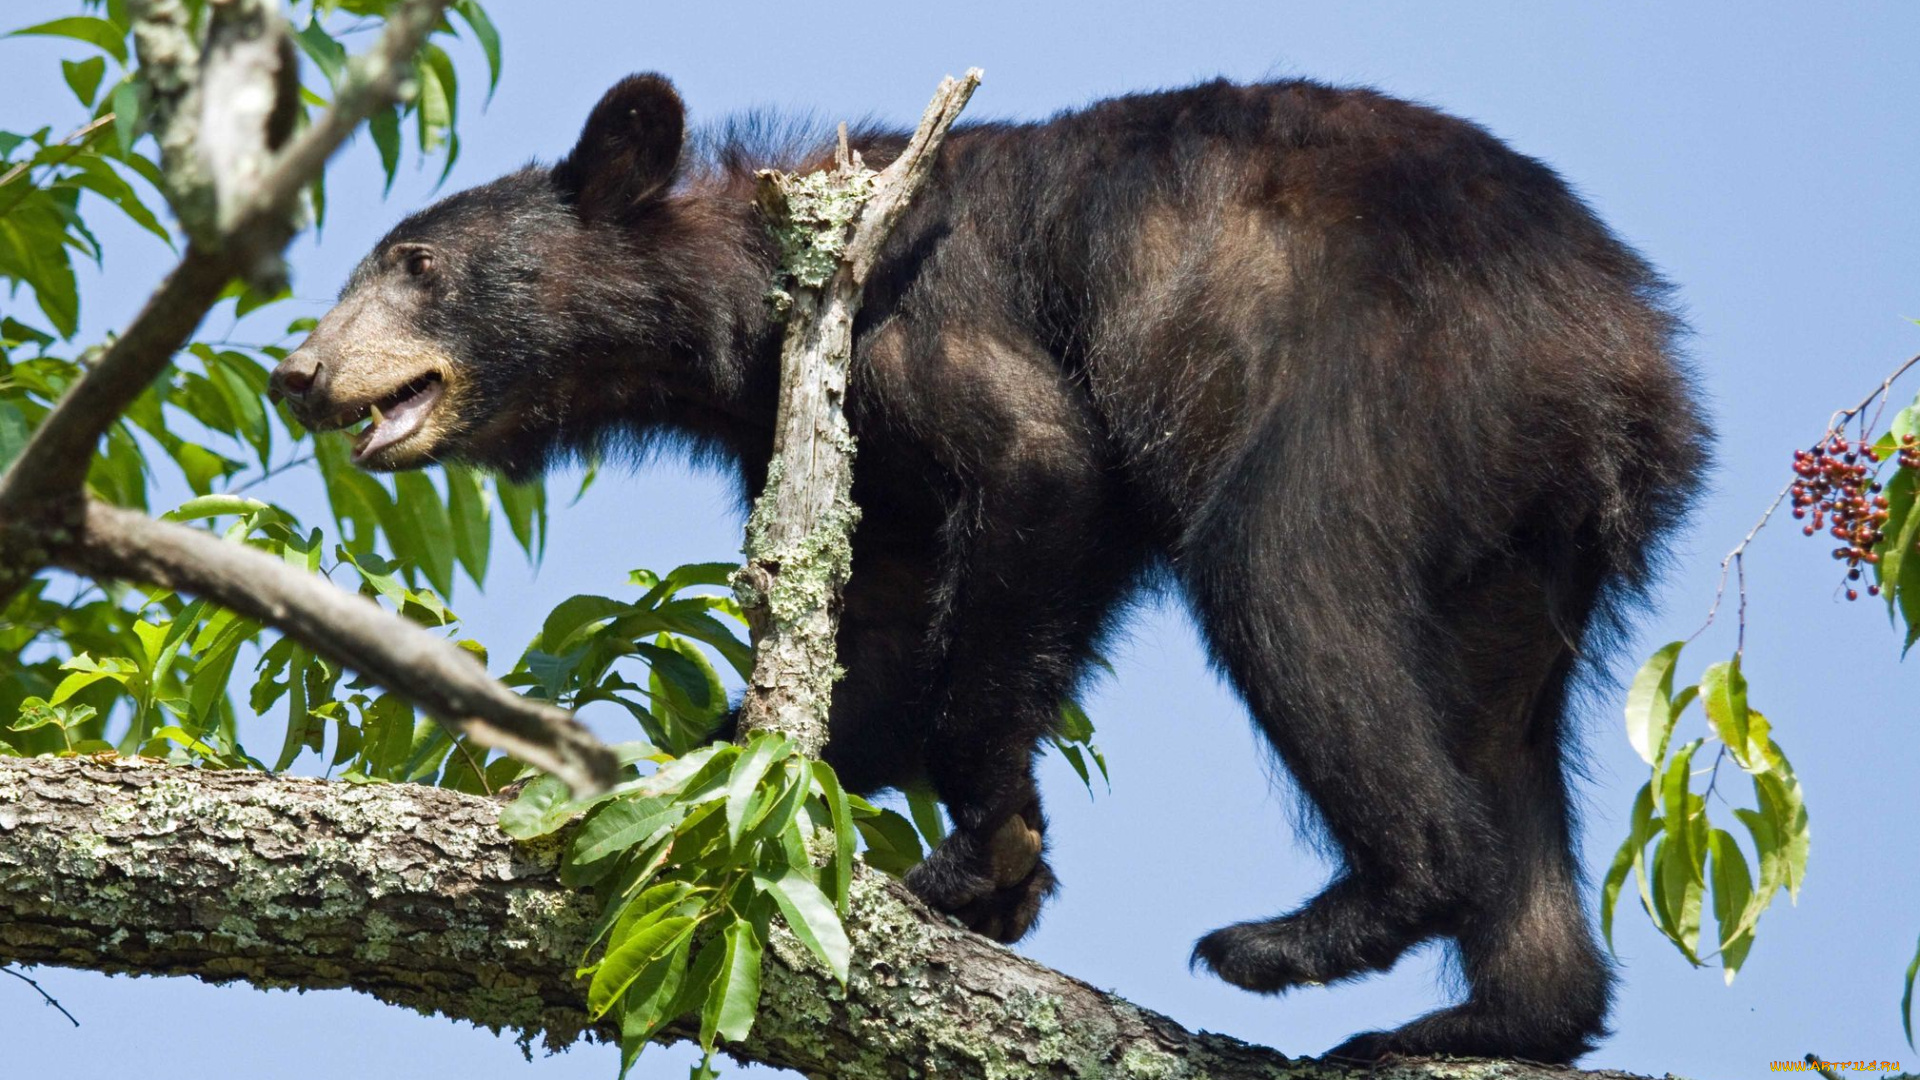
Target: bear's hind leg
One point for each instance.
(1334, 667)
(1538, 983)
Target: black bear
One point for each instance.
(1399, 417)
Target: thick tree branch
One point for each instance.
(412, 894)
(221, 117)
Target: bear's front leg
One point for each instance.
(993, 880)
(1021, 599)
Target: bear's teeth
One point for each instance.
(374, 410)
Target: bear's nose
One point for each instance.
(295, 376)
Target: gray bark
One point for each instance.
(798, 549)
(412, 894)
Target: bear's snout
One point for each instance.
(293, 380)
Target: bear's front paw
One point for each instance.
(995, 888)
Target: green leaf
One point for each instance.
(735, 995)
(1906, 997)
(298, 717)
(86, 672)
(99, 33)
(95, 175)
(616, 826)
(14, 433)
(1680, 868)
(427, 532)
(1907, 585)
(384, 126)
(1724, 692)
(644, 1007)
(435, 102)
(128, 116)
(32, 247)
(1782, 802)
(83, 77)
(632, 913)
(1766, 845)
(893, 845)
(762, 752)
(488, 37)
(685, 774)
(811, 917)
(327, 54)
(788, 796)
(1900, 502)
(391, 724)
(1732, 896)
(1626, 858)
(624, 963)
(572, 615)
(208, 506)
(844, 837)
(467, 513)
(925, 809)
(1650, 712)
(1077, 760)
(682, 667)
(700, 978)
(541, 808)
(526, 508)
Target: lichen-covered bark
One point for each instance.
(830, 225)
(413, 895)
(408, 893)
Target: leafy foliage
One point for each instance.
(1841, 489)
(692, 861)
(1897, 556)
(1691, 858)
(78, 660)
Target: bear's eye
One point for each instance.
(419, 263)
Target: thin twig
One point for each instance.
(1736, 559)
(49, 998)
(290, 463)
(76, 135)
(479, 773)
(1886, 384)
(1714, 777)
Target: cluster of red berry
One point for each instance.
(1836, 485)
(1909, 452)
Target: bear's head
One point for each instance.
(480, 329)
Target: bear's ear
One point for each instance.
(628, 152)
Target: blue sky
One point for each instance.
(1763, 155)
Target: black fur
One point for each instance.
(1379, 395)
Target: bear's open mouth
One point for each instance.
(399, 415)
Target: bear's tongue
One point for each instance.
(398, 421)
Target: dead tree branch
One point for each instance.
(413, 895)
(798, 548)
